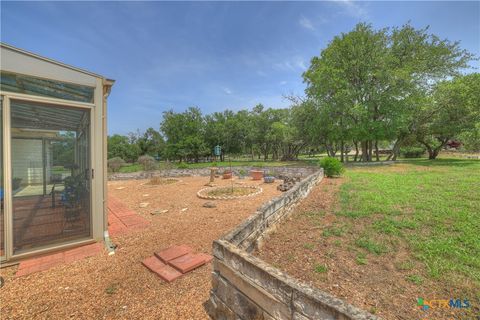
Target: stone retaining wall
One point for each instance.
(276, 171)
(245, 287)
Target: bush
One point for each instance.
(114, 164)
(412, 152)
(182, 165)
(147, 162)
(331, 167)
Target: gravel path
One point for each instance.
(118, 286)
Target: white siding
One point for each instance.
(27, 160)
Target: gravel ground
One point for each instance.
(118, 286)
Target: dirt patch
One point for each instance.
(326, 251)
(156, 181)
(118, 286)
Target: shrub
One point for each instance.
(182, 165)
(412, 152)
(114, 164)
(148, 162)
(331, 167)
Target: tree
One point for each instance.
(452, 110)
(120, 146)
(366, 82)
(226, 129)
(151, 142)
(184, 133)
(63, 149)
(471, 139)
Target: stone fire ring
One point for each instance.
(203, 193)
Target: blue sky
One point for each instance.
(214, 55)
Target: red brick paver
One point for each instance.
(163, 270)
(187, 262)
(48, 261)
(173, 262)
(121, 219)
(206, 257)
(173, 253)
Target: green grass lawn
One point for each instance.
(131, 167)
(431, 206)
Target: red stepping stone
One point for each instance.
(173, 253)
(206, 257)
(164, 271)
(187, 262)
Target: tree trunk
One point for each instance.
(341, 151)
(370, 150)
(366, 151)
(356, 151)
(395, 150)
(376, 151)
(433, 153)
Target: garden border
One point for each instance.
(245, 287)
(199, 193)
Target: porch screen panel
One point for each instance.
(51, 175)
(25, 84)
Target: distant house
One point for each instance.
(52, 156)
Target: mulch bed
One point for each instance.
(119, 286)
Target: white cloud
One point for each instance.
(227, 90)
(353, 8)
(306, 23)
(301, 64)
(282, 83)
(293, 64)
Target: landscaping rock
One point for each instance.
(153, 213)
(143, 204)
(210, 184)
(288, 183)
(285, 186)
(210, 204)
